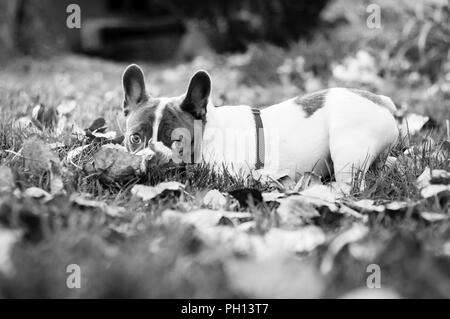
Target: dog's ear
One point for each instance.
(197, 95)
(134, 87)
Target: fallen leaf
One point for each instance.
(354, 233)
(320, 203)
(276, 277)
(398, 206)
(66, 107)
(424, 179)
(113, 164)
(107, 135)
(25, 123)
(272, 196)
(433, 217)
(147, 193)
(98, 125)
(73, 154)
(7, 240)
(412, 124)
(114, 211)
(446, 146)
(82, 201)
(321, 192)
(7, 182)
(440, 176)
(365, 206)
(240, 217)
(38, 193)
(234, 241)
(38, 156)
(434, 190)
(295, 211)
(56, 145)
(302, 240)
(214, 199)
(44, 117)
(285, 183)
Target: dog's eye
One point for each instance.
(135, 139)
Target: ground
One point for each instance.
(176, 243)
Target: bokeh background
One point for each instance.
(258, 52)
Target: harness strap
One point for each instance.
(260, 143)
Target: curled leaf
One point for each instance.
(147, 193)
(214, 199)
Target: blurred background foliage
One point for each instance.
(300, 46)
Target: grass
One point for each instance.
(139, 253)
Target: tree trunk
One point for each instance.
(9, 11)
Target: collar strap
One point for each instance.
(260, 151)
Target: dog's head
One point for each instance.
(155, 118)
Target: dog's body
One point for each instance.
(336, 130)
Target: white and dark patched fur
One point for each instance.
(336, 131)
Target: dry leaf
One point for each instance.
(424, 179)
(440, 176)
(38, 193)
(355, 233)
(285, 183)
(7, 182)
(302, 240)
(295, 211)
(434, 190)
(73, 154)
(272, 196)
(66, 107)
(320, 203)
(234, 240)
(83, 201)
(44, 117)
(107, 135)
(321, 192)
(38, 156)
(147, 193)
(276, 277)
(214, 199)
(114, 164)
(25, 123)
(433, 217)
(365, 206)
(412, 124)
(7, 240)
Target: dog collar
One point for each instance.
(260, 152)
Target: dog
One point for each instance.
(336, 131)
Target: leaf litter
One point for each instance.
(298, 205)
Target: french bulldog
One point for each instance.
(335, 132)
